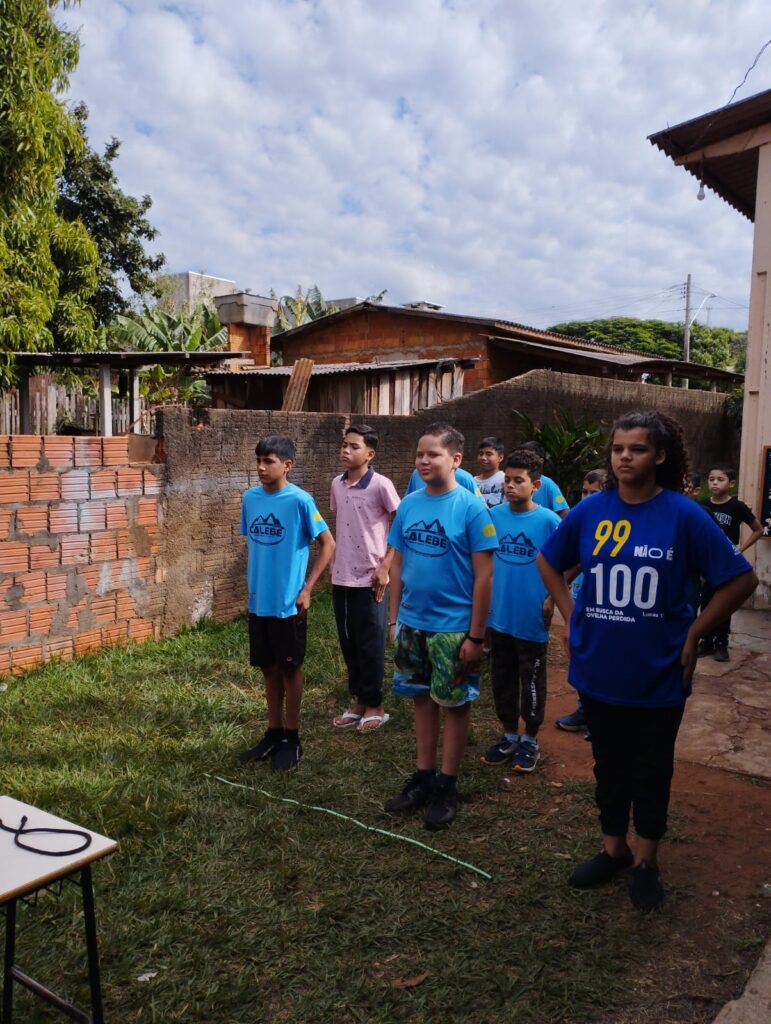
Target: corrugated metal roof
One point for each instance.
(120, 360)
(486, 323)
(733, 177)
(329, 369)
(639, 363)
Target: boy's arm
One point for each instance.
(554, 582)
(396, 587)
(323, 558)
(482, 563)
(381, 575)
(721, 607)
(757, 533)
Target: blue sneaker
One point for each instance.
(526, 757)
(500, 752)
(574, 722)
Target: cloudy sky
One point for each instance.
(489, 155)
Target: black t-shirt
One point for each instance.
(729, 516)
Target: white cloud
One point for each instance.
(482, 153)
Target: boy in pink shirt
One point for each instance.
(364, 502)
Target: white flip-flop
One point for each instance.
(380, 719)
(346, 720)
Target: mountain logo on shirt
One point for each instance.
(517, 549)
(267, 529)
(427, 538)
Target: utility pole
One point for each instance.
(687, 329)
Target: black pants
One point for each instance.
(634, 752)
(518, 674)
(361, 627)
(721, 632)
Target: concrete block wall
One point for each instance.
(208, 467)
(79, 547)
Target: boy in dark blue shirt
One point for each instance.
(279, 522)
(518, 631)
(443, 539)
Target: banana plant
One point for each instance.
(573, 446)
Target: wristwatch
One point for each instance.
(479, 640)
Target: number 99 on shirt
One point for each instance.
(618, 532)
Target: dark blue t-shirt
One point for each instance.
(639, 596)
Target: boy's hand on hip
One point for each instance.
(303, 600)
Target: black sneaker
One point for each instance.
(704, 647)
(574, 722)
(287, 756)
(264, 749)
(500, 751)
(599, 869)
(645, 889)
(415, 794)
(721, 653)
(442, 808)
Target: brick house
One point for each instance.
(371, 332)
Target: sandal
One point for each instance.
(378, 719)
(346, 720)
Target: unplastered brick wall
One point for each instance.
(79, 544)
(209, 466)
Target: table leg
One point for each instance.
(93, 957)
(10, 952)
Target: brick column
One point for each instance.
(249, 319)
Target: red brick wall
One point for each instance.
(79, 542)
(367, 335)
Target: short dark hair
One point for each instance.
(596, 476)
(532, 446)
(525, 458)
(368, 435)
(723, 467)
(491, 442)
(695, 479)
(276, 444)
(450, 438)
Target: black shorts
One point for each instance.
(279, 642)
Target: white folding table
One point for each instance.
(24, 872)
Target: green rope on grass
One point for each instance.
(355, 821)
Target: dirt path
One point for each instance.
(697, 952)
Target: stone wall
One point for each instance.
(208, 467)
(79, 544)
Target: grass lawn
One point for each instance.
(241, 908)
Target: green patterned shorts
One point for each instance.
(426, 664)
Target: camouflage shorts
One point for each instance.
(426, 664)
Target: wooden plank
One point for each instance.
(297, 389)
(414, 391)
(457, 381)
(384, 402)
(431, 396)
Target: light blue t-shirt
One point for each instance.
(462, 477)
(518, 590)
(641, 564)
(279, 527)
(550, 496)
(436, 534)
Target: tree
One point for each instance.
(572, 444)
(712, 346)
(300, 309)
(47, 264)
(155, 330)
(89, 193)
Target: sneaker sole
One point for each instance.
(524, 771)
(496, 764)
(571, 728)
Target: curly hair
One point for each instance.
(666, 435)
(525, 458)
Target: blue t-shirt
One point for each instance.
(462, 477)
(436, 534)
(639, 595)
(550, 496)
(518, 590)
(279, 527)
